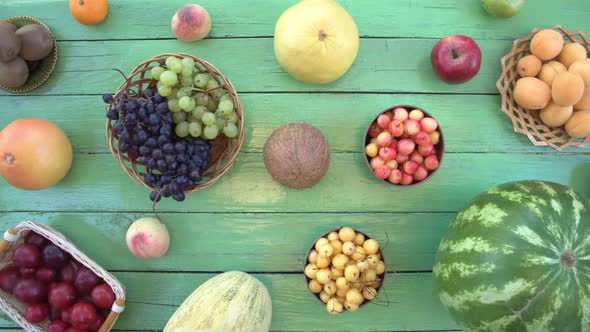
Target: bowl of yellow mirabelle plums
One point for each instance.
(345, 269)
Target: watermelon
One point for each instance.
(517, 258)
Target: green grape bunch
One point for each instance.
(200, 106)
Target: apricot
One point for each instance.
(571, 53)
(582, 67)
(547, 44)
(554, 115)
(578, 126)
(532, 93)
(584, 103)
(529, 66)
(550, 70)
(567, 89)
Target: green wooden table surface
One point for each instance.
(248, 222)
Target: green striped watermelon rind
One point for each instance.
(517, 258)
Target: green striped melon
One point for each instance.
(517, 258)
(230, 302)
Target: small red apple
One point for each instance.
(396, 127)
(383, 121)
(382, 172)
(456, 59)
(387, 154)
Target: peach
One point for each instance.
(582, 67)
(190, 23)
(584, 103)
(571, 53)
(550, 70)
(529, 66)
(547, 44)
(148, 238)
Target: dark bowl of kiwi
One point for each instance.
(28, 54)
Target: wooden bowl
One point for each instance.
(440, 147)
(39, 71)
(307, 280)
(224, 150)
(15, 309)
(527, 122)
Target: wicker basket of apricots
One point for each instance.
(545, 87)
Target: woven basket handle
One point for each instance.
(10, 236)
(116, 309)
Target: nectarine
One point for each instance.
(190, 23)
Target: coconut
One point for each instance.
(297, 155)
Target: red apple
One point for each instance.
(420, 174)
(376, 162)
(410, 167)
(417, 157)
(407, 179)
(190, 23)
(456, 59)
(383, 121)
(396, 127)
(426, 149)
(384, 138)
(400, 113)
(431, 162)
(422, 138)
(382, 172)
(387, 154)
(402, 158)
(406, 146)
(374, 130)
(412, 127)
(395, 177)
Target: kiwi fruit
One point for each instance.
(36, 42)
(5, 24)
(10, 44)
(14, 73)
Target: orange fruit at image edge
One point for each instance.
(89, 12)
(34, 154)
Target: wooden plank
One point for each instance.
(343, 118)
(96, 183)
(153, 297)
(247, 242)
(246, 18)
(383, 65)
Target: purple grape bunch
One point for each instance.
(144, 127)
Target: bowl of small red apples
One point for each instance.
(404, 145)
(46, 284)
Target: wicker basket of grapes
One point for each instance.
(175, 125)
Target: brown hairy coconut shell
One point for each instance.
(297, 155)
